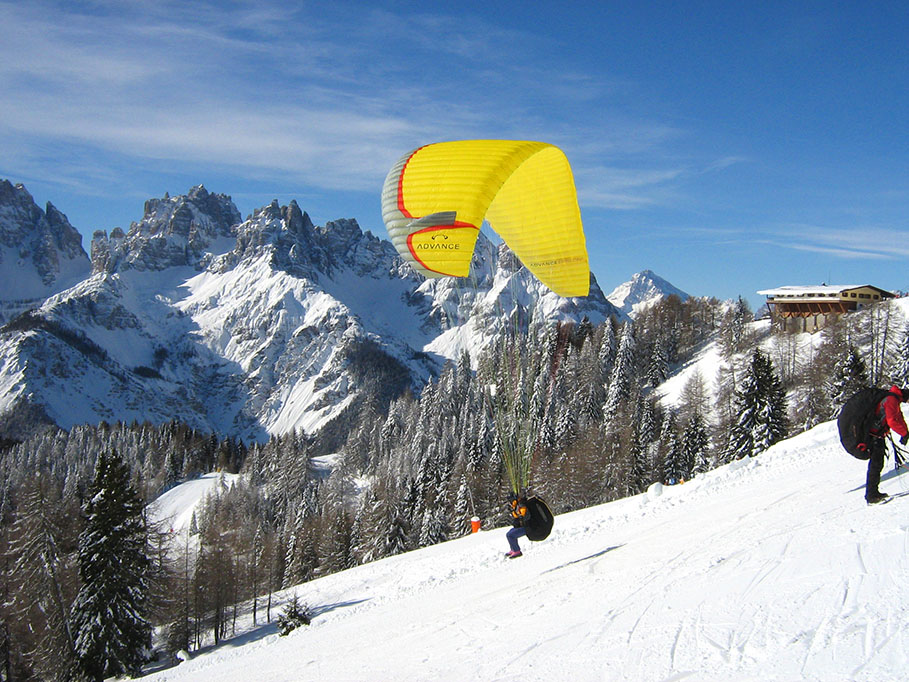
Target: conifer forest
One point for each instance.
(91, 588)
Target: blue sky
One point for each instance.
(727, 146)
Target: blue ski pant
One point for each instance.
(513, 536)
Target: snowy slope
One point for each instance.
(173, 510)
(770, 568)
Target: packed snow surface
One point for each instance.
(771, 568)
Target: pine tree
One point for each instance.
(640, 472)
(607, 350)
(435, 527)
(592, 385)
(623, 373)
(899, 375)
(650, 439)
(109, 613)
(696, 445)
(293, 616)
(565, 427)
(395, 540)
(849, 376)
(762, 409)
(674, 469)
(383, 532)
(460, 523)
(658, 367)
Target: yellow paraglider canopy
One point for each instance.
(436, 197)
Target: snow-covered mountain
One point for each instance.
(771, 568)
(40, 252)
(251, 328)
(642, 290)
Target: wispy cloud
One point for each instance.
(160, 90)
(724, 163)
(330, 98)
(859, 242)
(622, 188)
(839, 252)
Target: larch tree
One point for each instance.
(43, 567)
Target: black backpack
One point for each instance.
(539, 519)
(856, 419)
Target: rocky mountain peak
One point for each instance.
(293, 244)
(173, 231)
(21, 222)
(284, 234)
(641, 290)
(40, 251)
(297, 221)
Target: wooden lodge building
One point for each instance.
(811, 307)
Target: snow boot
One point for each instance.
(513, 554)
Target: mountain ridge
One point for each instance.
(254, 327)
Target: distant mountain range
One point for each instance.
(241, 327)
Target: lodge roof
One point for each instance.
(820, 290)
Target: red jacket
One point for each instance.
(893, 415)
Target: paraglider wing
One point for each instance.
(436, 197)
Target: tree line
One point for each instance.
(580, 402)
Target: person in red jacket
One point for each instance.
(889, 417)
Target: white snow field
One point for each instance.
(771, 568)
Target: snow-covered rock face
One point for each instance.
(40, 252)
(174, 231)
(257, 327)
(642, 290)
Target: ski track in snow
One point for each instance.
(760, 570)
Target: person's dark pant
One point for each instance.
(875, 466)
(513, 536)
